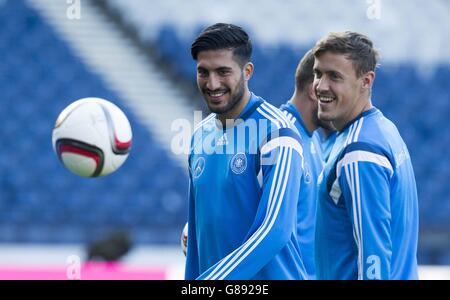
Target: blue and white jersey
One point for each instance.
(244, 185)
(367, 214)
(326, 142)
(307, 199)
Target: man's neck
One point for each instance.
(304, 109)
(235, 111)
(366, 104)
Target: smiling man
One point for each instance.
(367, 212)
(244, 171)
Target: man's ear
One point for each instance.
(248, 71)
(311, 92)
(367, 80)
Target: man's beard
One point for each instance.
(327, 125)
(235, 99)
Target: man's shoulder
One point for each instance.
(381, 137)
(371, 133)
(367, 150)
(206, 124)
(275, 118)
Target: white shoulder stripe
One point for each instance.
(204, 121)
(291, 118)
(364, 156)
(354, 128)
(274, 121)
(282, 141)
(350, 133)
(287, 114)
(358, 129)
(275, 113)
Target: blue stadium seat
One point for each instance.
(39, 77)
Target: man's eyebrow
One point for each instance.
(216, 69)
(224, 68)
(333, 72)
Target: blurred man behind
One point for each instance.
(301, 110)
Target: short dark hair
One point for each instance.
(358, 48)
(304, 74)
(224, 36)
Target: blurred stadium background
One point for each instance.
(136, 53)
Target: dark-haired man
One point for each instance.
(367, 213)
(244, 179)
(301, 110)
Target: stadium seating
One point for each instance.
(42, 202)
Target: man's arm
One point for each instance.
(275, 221)
(192, 269)
(364, 174)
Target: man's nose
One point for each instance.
(213, 82)
(322, 85)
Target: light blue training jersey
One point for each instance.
(367, 214)
(312, 166)
(243, 198)
(326, 142)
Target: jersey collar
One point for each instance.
(251, 106)
(253, 103)
(291, 108)
(371, 111)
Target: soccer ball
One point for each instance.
(92, 137)
(183, 240)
